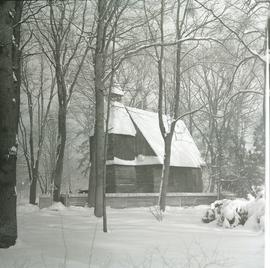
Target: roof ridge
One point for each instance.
(139, 110)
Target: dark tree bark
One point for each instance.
(10, 13)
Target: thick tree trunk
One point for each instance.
(99, 154)
(165, 173)
(10, 12)
(8, 221)
(99, 124)
(17, 57)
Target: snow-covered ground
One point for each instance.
(72, 237)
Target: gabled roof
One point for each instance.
(184, 152)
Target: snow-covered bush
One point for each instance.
(57, 206)
(230, 213)
(256, 209)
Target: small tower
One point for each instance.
(117, 93)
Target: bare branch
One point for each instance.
(232, 31)
(189, 113)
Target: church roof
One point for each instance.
(184, 152)
(120, 121)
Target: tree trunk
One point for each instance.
(99, 154)
(212, 172)
(92, 174)
(61, 143)
(8, 221)
(165, 173)
(220, 157)
(99, 92)
(33, 187)
(189, 108)
(10, 12)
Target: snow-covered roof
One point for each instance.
(117, 91)
(120, 122)
(184, 152)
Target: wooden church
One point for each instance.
(136, 149)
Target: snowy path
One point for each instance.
(53, 239)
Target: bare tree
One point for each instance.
(206, 27)
(231, 103)
(68, 52)
(167, 132)
(38, 108)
